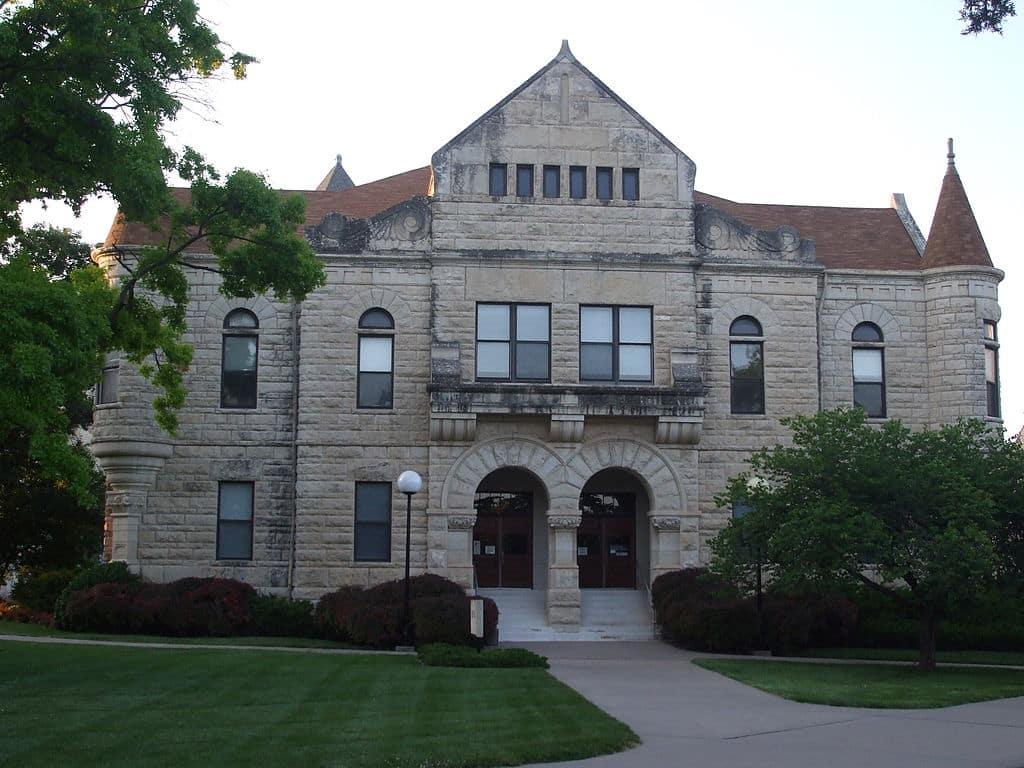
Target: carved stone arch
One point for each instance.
(867, 313)
(258, 305)
(746, 305)
(371, 298)
(483, 458)
(655, 471)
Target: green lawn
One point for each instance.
(1002, 658)
(35, 630)
(107, 706)
(871, 685)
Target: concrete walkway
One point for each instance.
(688, 716)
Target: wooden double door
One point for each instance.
(503, 539)
(606, 540)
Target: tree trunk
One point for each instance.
(929, 630)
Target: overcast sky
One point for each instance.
(809, 102)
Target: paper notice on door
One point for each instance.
(489, 549)
(582, 551)
(476, 547)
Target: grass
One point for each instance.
(871, 685)
(140, 707)
(35, 630)
(999, 658)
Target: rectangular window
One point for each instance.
(238, 372)
(513, 342)
(498, 181)
(991, 369)
(234, 521)
(106, 389)
(604, 183)
(552, 181)
(630, 183)
(376, 378)
(524, 181)
(373, 522)
(746, 365)
(577, 182)
(869, 381)
(616, 343)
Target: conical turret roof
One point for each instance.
(336, 179)
(954, 238)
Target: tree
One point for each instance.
(985, 15)
(87, 89)
(918, 516)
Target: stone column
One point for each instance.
(665, 542)
(460, 549)
(131, 468)
(563, 598)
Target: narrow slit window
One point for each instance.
(524, 181)
(577, 182)
(992, 405)
(630, 183)
(604, 183)
(373, 522)
(498, 180)
(552, 181)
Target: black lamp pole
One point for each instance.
(407, 633)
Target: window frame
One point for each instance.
(615, 344)
(251, 522)
(358, 524)
(607, 174)
(993, 403)
(492, 169)
(531, 173)
(578, 170)
(633, 173)
(557, 170)
(102, 395)
(375, 332)
(241, 331)
(876, 345)
(512, 342)
(746, 339)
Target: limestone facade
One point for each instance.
(698, 263)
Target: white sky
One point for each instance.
(777, 101)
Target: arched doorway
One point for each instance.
(509, 537)
(612, 543)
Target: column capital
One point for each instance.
(564, 521)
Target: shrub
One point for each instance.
(422, 586)
(38, 590)
(490, 621)
(105, 573)
(274, 616)
(793, 622)
(214, 607)
(686, 585)
(12, 612)
(333, 610)
(442, 620)
(722, 626)
(375, 625)
(444, 655)
(101, 608)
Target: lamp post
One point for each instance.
(409, 483)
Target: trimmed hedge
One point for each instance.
(274, 616)
(446, 655)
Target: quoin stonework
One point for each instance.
(573, 346)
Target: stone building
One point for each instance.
(571, 345)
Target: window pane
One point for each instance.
(992, 393)
(373, 502)
(635, 362)
(577, 181)
(238, 389)
(747, 396)
(740, 509)
(746, 360)
(372, 542)
(106, 392)
(630, 183)
(604, 183)
(531, 323)
(241, 318)
(498, 180)
(990, 365)
(596, 361)
(234, 540)
(492, 322)
(990, 330)
(239, 353)
(635, 325)
(552, 181)
(532, 360)
(867, 332)
(375, 353)
(492, 360)
(235, 501)
(376, 318)
(867, 365)
(869, 397)
(596, 324)
(745, 326)
(524, 180)
(375, 390)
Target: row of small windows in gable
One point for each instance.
(603, 181)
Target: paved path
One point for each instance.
(688, 716)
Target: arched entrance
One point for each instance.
(509, 536)
(612, 543)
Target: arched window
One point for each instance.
(239, 360)
(869, 369)
(746, 365)
(375, 387)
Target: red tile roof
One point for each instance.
(954, 238)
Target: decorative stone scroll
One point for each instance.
(460, 522)
(717, 231)
(405, 222)
(666, 523)
(564, 521)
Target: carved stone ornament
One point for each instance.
(460, 522)
(718, 231)
(408, 221)
(569, 521)
(337, 233)
(666, 523)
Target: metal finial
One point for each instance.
(950, 155)
(565, 52)
(339, 159)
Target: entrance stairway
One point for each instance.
(608, 614)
